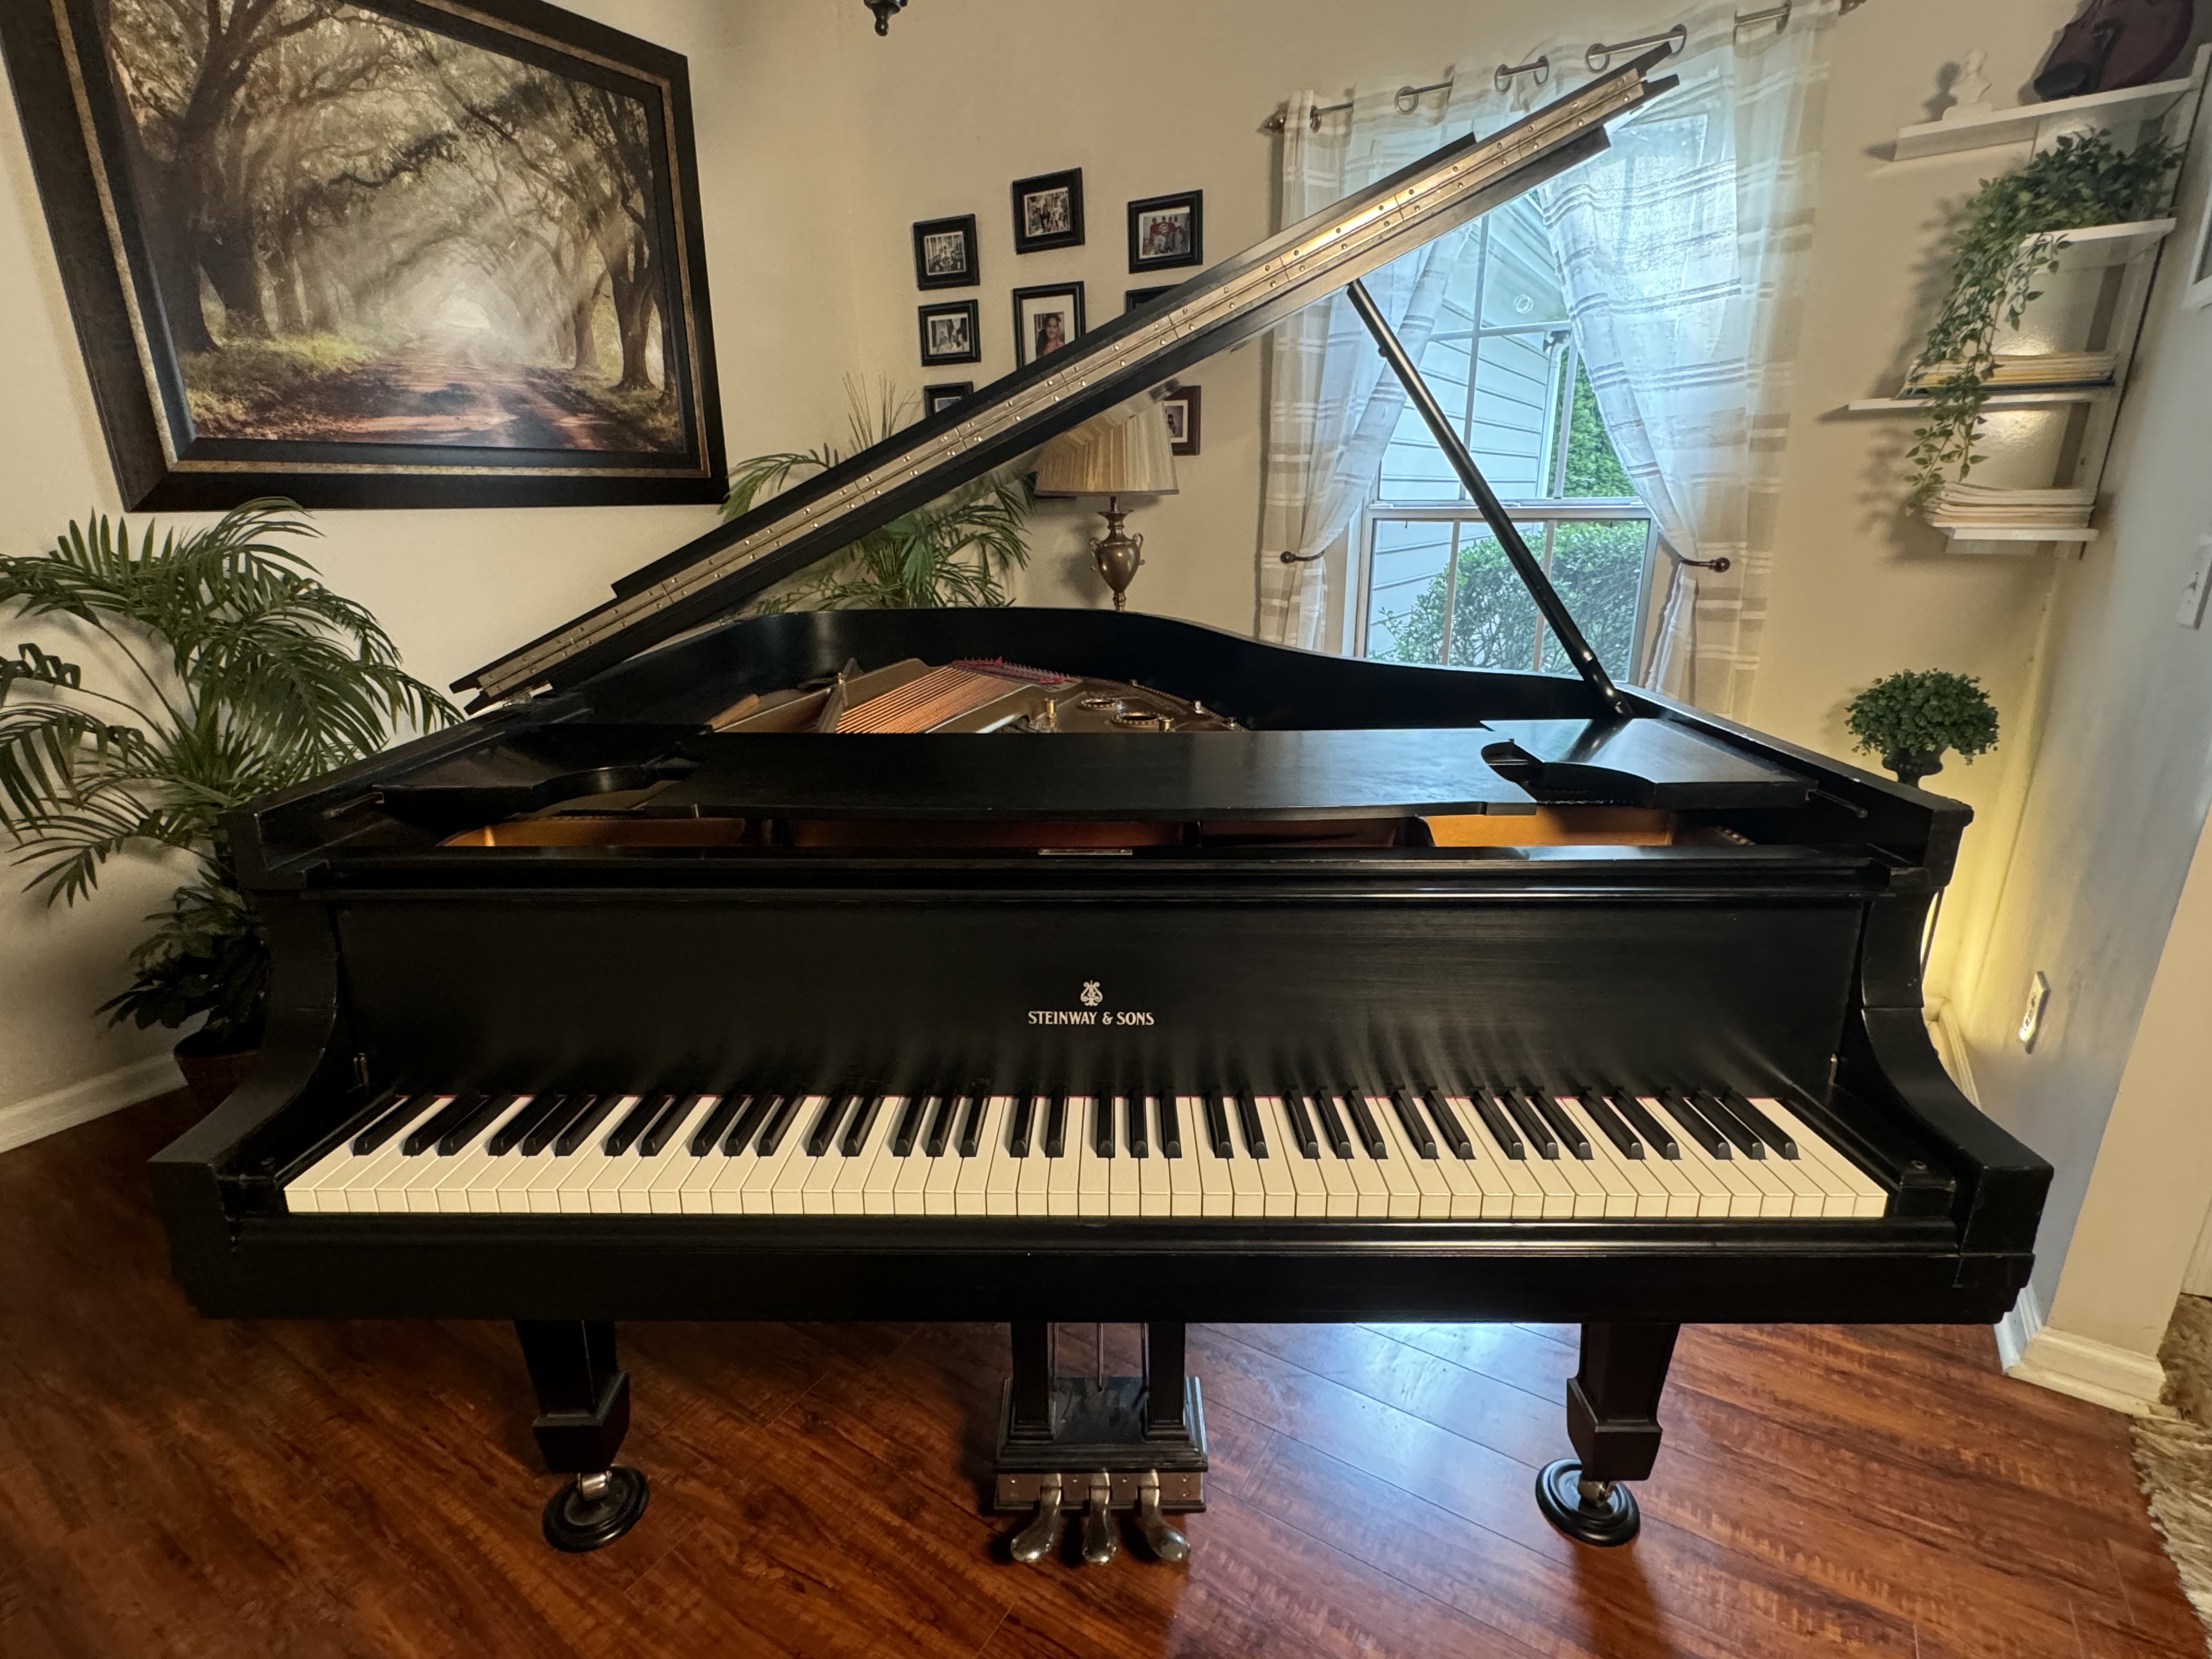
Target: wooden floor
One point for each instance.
(175, 1487)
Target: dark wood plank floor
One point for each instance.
(170, 1487)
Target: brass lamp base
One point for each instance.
(1118, 554)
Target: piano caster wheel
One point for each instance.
(1036, 1538)
(1101, 1543)
(1162, 1536)
(592, 1510)
(1601, 1512)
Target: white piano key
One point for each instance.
(1278, 1193)
(1340, 1191)
(1308, 1197)
(381, 1186)
(637, 1173)
(1002, 1170)
(940, 1193)
(848, 1194)
(1033, 1181)
(1468, 1184)
(879, 1190)
(729, 1176)
(1585, 1180)
(672, 1166)
(1721, 1190)
(1094, 1175)
(1432, 1198)
(1635, 1191)
(772, 1185)
(907, 1185)
(1370, 1178)
(1684, 1197)
(1860, 1193)
(1124, 1196)
(1510, 1192)
(303, 1193)
(470, 1183)
(1247, 1197)
(1155, 1191)
(967, 1190)
(1217, 1188)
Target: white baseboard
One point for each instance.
(27, 1121)
(2118, 1379)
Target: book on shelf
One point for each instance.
(1968, 505)
(2025, 368)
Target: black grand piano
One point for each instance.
(1035, 965)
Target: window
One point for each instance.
(1435, 586)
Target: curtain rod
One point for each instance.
(1599, 55)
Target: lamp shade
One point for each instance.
(1125, 452)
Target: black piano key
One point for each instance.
(856, 1137)
(911, 1124)
(943, 1116)
(775, 1122)
(1657, 1136)
(709, 1132)
(1415, 1125)
(635, 1122)
(972, 1108)
(596, 1109)
(1569, 1132)
(463, 1133)
(1679, 1108)
(1363, 1121)
(821, 1133)
(1255, 1132)
(516, 1129)
(674, 1109)
(1217, 1124)
(1449, 1126)
(1723, 1117)
(759, 1110)
(421, 1141)
(1133, 1113)
(1302, 1124)
(1611, 1124)
(1018, 1125)
(403, 1111)
(1056, 1129)
(1500, 1128)
(1102, 1122)
(1532, 1124)
(1171, 1126)
(1329, 1122)
(1768, 1131)
(560, 1113)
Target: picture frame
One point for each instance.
(2198, 294)
(1133, 297)
(459, 342)
(1167, 231)
(1048, 211)
(952, 332)
(944, 253)
(935, 399)
(1046, 318)
(1181, 406)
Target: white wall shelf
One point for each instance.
(2037, 397)
(2043, 122)
(1961, 535)
(2110, 244)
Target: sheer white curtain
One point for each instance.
(1682, 250)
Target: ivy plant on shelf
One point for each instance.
(2011, 232)
(222, 670)
(1913, 718)
(957, 551)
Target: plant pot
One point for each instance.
(212, 1069)
(1910, 765)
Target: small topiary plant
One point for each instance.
(1911, 718)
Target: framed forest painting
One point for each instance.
(375, 252)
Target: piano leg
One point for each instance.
(583, 1412)
(1612, 1418)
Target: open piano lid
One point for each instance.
(1231, 302)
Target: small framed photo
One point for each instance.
(1167, 231)
(2199, 291)
(1046, 319)
(1181, 406)
(1048, 211)
(935, 399)
(1133, 297)
(944, 253)
(949, 334)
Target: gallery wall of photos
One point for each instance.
(1164, 239)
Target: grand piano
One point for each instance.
(1040, 965)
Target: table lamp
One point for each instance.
(1125, 452)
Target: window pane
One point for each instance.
(1520, 284)
(1598, 568)
(1593, 467)
(1493, 620)
(1513, 395)
(1409, 560)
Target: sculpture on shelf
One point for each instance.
(2115, 43)
(1911, 718)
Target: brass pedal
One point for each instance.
(1035, 1540)
(1101, 1543)
(1162, 1536)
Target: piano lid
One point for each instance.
(1234, 301)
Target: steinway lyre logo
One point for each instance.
(1091, 1013)
(1092, 996)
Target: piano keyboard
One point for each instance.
(1513, 1155)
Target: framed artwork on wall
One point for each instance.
(1181, 406)
(389, 253)
(1048, 211)
(944, 253)
(935, 399)
(1046, 319)
(1167, 231)
(1133, 297)
(949, 334)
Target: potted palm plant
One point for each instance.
(1910, 719)
(224, 670)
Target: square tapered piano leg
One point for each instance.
(1613, 1419)
(1099, 1444)
(583, 1412)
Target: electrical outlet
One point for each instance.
(2191, 614)
(2031, 1017)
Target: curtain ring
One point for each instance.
(1600, 55)
(1540, 69)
